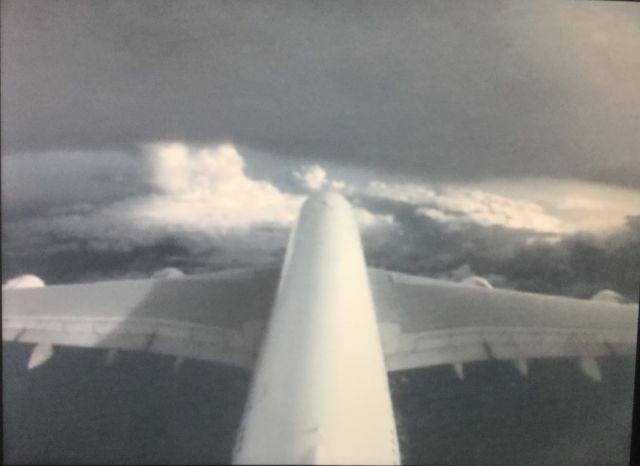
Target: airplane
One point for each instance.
(319, 335)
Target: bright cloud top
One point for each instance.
(207, 190)
(454, 205)
(314, 178)
(580, 205)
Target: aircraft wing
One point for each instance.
(425, 322)
(217, 317)
(220, 317)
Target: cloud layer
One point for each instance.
(196, 208)
(455, 205)
(198, 199)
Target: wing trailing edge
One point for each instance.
(218, 317)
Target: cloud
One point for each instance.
(199, 200)
(200, 197)
(312, 177)
(197, 209)
(454, 206)
(578, 205)
(574, 264)
(309, 178)
(207, 190)
(66, 181)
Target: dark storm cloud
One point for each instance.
(577, 265)
(52, 183)
(433, 89)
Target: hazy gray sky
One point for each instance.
(437, 89)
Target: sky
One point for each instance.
(491, 138)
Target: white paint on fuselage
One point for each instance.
(320, 392)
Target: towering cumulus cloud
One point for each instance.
(206, 189)
(200, 200)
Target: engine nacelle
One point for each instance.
(477, 281)
(24, 281)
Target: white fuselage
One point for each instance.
(320, 392)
